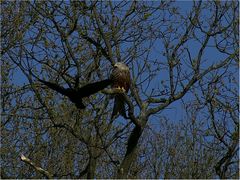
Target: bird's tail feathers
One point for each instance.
(119, 107)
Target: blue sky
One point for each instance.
(174, 112)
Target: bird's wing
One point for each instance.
(93, 88)
(56, 87)
(72, 94)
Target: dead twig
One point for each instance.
(39, 169)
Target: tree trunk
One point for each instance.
(91, 168)
(130, 153)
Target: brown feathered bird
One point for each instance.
(120, 78)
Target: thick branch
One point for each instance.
(105, 38)
(130, 153)
(98, 46)
(222, 165)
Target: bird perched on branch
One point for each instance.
(120, 80)
(76, 95)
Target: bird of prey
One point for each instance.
(76, 95)
(120, 80)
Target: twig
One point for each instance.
(39, 169)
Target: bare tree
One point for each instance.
(184, 59)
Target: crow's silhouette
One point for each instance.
(76, 95)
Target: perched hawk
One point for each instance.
(76, 95)
(121, 80)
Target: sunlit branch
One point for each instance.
(37, 168)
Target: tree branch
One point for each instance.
(196, 77)
(38, 169)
